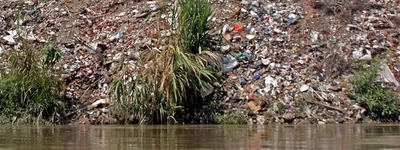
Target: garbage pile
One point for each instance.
(284, 61)
(288, 64)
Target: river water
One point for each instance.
(202, 137)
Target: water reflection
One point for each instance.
(347, 136)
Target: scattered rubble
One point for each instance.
(284, 61)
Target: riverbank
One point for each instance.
(282, 61)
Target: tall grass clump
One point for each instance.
(193, 18)
(381, 103)
(167, 82)
(29, 92)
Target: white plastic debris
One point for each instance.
(386, 75)
(304, 88)
(1, 51)
(225, 28)
(121, 14)
(270, 81)
(314, 36)
(250, 37)
(116, 36)
(367, 56)
(98, 102)
(253, 14)
(292, 16)
(10, 40)
(118, 57)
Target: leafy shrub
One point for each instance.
(382, 102)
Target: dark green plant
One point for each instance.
(382, 102)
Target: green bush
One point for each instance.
(382, 102)
(29, 93)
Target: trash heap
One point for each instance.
(288, 65)
(285, 61)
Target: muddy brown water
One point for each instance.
(202, 137)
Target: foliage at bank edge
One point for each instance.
(29, 93)
(230, 118)
(381, 103)
(168, 82)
